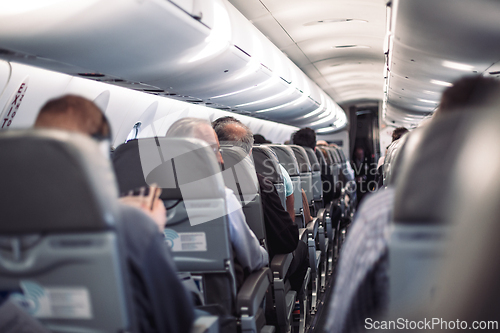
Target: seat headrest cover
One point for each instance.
(315, 166)
(302, 159)
(239, 171)
(266, 164)
(54, 181)
(184, 168)
(286, 158)
(424, 183)
(326, 155)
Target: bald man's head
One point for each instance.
(76, 114)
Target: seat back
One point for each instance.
(240, 176)
(473, 210)
(331, 173)
(287, 159)
(305, 171)
(267, 164)
(197, 229)
(317, 186)
(420, 226)
(59, 228)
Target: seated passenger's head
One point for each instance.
(230, 129)
(469, 91)
(75, 114)
(305, 137)
(196, 128)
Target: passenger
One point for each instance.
(248, 252)
(161, 304)
(362, 284)
(282, 234)
(290, 199)
(396, 135)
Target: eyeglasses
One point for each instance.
(217, 150)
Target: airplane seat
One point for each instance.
(197, 230)
(420, 228)
(267, 164)
(305, 174)
(326, 176)
(59, 228)
(287, 159)
(468, 281)
(317, 185)
(313, 228)
(392, 155)
(240, 176)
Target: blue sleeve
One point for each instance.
(246, 246)
(288, 182)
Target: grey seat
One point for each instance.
(472, 263)
(421, 227)
(313, 228)
(267, 164)
(240, 176)
(317, 185)
(197, 229)
(59, 228)
(305, 173)
(287, 159)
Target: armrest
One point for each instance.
(321, 215)
(252, 292)
(303, 234)
(280, 264)
(205, 324)
(312, 227)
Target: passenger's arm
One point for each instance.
(246, 246)
(305, 206)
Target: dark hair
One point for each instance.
(305, 137)
(260, 139)
(398, 132)
(468, 91)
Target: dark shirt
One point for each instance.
(160, 301)
(282, 234)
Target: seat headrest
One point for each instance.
(287, 158)
(184, 168)
(424, 183)
(302, 159)
(54, 181)
(315, 166)
(239, 170)
(326, 155)
(266, 164)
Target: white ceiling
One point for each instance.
(309, 31)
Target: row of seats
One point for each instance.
(53, 169)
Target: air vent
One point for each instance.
(495, 73)
(91, 74)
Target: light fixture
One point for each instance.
(456, 65)
(442, 83)
(336, 20)
(350, 46)
(426, 101)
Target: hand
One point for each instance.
(150, 204)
